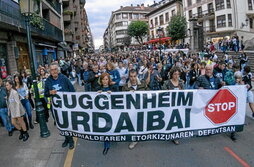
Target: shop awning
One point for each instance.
(162, 40)
(65, 47)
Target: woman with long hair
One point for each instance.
(16, 111)
(23, 91)
(174, 83)
(106, 85)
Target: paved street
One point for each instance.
(205, 151)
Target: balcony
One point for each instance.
(68, 38)
(67, 18)
(66, 2)
(55, 5)
(204, 15)
(209, 29)
(12, 20)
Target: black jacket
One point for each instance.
(204, 82)
(3, 94)
(193, 76)
(94, 81)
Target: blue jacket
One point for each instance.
(62, 82)
(115, 76)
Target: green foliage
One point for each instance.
(68, 12)
(177, 27)
(37, 21)
(138, 29)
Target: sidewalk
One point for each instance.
(37, 151)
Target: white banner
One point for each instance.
(150, 115)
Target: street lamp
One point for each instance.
(27, 8)
(160, 34)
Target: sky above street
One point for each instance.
(99, 12)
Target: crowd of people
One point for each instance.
(110, 72)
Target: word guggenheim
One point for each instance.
(123, 112)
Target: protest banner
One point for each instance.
(150, 115)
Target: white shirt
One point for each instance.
(122, 72)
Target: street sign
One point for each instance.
(222, 107)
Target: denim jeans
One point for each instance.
(26, 104)
(6, 119)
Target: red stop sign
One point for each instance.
(221, 107)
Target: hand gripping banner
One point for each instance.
(150, 115)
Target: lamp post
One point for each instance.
(160, 33)
(27, 8)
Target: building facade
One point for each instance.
(213, 20)
(76, 26)
(45, 29)
(116, 32)
(160, 17)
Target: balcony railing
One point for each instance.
(55, 5)
(209, 29)
(206, 13)
(10, 14)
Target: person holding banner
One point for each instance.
(134, 84)
(174, 83)
(208, 81)
(106, 85)
(57, 82)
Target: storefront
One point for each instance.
(45, 54)
(23, 60)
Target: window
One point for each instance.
(120, 40)
(190, 14)
(200, 11)
(142, 16)
(125, 23)
(119, 24)
(198, 1)
(210, 8)
(125, 16)
(250, 5)
(121, 32)
(161, 20)
(151, 23)
(118, 16)
(228, 3)
(221, 21)
(173, 12)
(251, 23)
(130, 16)
(230, 20)
(135, 16)
(219, 4)
(167, 17)
(212, 25)
(189, 2)
(156, 21)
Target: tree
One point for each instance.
(177, 28)
(138, 29)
